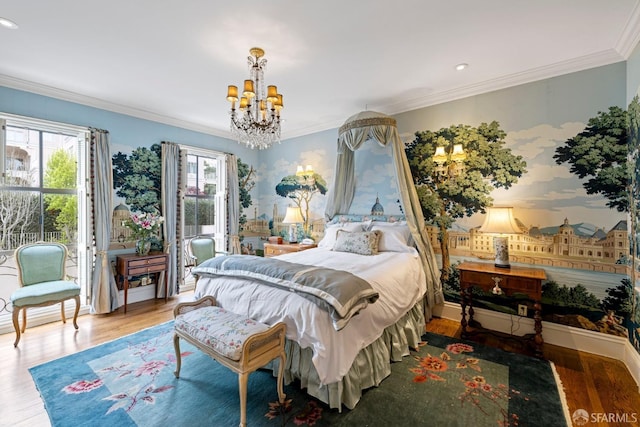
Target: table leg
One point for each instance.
(125, 287)
(166, 286)
(537, 318)
(463, 304)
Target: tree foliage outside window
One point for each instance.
(488, 165)
(19, 213)
(61, 173)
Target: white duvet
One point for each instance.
(397, 276)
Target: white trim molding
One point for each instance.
(605, 345)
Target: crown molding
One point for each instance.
(64, 95)
(598, 59)
(630, 36)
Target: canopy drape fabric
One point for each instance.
(233, 204)
(170, 199)
(381, 128)
(104, 292)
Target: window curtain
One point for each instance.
(379, 127)
(104, 292)
(170, 202)
(233, 204)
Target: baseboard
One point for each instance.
(42, 315)
(141, 293)
(553, 333)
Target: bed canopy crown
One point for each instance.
(371, 125)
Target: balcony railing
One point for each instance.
(14, 240)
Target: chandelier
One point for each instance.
(257, 124)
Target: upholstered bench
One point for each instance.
(238, 342)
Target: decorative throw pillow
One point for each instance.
(331, 230)
(363, 243)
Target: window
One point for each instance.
(204, 204)
(42, 195)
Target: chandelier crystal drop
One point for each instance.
(257, 123)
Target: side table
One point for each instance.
(273, 249)
(133, 265)
(488, 277)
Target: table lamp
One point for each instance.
(293, 217)
(500, 221)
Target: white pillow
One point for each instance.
(330, 232)
(394, 238)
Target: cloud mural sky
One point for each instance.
(548, 193)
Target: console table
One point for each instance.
(488, 277)
(134, 265)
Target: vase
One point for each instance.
(143, 246)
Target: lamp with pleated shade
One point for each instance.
(500, 221)
(293, 217)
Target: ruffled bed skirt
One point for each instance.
(371, 366)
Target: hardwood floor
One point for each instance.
(593, 383)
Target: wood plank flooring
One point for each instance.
(593, 383)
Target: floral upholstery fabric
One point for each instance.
(363, 243)
(221, 330)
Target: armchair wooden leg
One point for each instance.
(64, 318)
(75, 313)
(16, 326)
(24, 319)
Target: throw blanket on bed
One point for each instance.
(340, 293)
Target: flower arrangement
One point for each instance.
(144, 225)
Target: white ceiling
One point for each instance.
(171, 60)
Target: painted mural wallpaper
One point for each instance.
(585, 262)
(634, 162)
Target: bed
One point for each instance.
(334, 365)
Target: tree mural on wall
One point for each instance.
(246, 182)
(488, 165)
(301, 193)
(599, 154)
(137, 178)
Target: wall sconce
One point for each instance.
(305, 176)
(499, 220)
(449, 165)
(293, 217)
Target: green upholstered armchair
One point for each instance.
(202, 248)
(41, 276)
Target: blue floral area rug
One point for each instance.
(447, 382)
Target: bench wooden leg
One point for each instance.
(243, 379)
(176, 345)
(280, 379)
